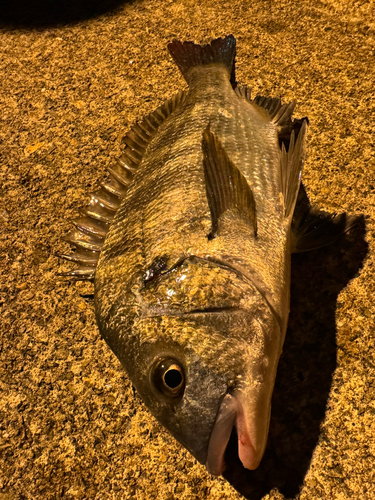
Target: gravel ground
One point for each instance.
(71, 426)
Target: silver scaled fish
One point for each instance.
(189, 245)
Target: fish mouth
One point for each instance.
(231, 414)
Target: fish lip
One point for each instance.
(220, 435)
(230, 414)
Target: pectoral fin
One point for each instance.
(226, 188)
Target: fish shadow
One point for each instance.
(305, 370)
(49, 13)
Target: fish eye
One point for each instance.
(168, 377)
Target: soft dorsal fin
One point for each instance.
(188, 55)
(279, 114)
(226, 187)
(90, 230)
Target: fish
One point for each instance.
(189, 247)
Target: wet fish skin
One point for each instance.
(189, 244)
(219, 306)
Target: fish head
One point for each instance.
(201, 346)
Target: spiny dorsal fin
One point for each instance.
(226, 187)
(312, 228)
(291, 165)
(91, 229)
(188, 55)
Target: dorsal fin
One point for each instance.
(226, 187)
(90, 230)
(280, 114)
(243, 91)
(188, 55)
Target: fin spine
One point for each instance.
(91, 226)
(90, 230)
(98, 213)
(84, 241)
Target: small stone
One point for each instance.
(180, 488)
(181, 464)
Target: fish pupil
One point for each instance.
(168, 378)
(173, 378)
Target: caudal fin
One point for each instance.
(188, 54)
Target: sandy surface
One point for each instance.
(70, 425)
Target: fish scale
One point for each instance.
(163, 168)
(189, 245)
(166, 213)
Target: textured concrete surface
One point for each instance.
(71, 426)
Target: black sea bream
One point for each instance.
(190, 247)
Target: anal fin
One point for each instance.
(226, 188)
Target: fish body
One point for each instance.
(220, 304)
(190, 247)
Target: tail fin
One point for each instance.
(188, 54)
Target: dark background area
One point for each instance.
(305, 370)
(48, 13)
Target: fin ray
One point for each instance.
(280, 114)
(187, 55)
(82, 273)
(291, 165)
(91, 226)
(90, 230)
(226, 187)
